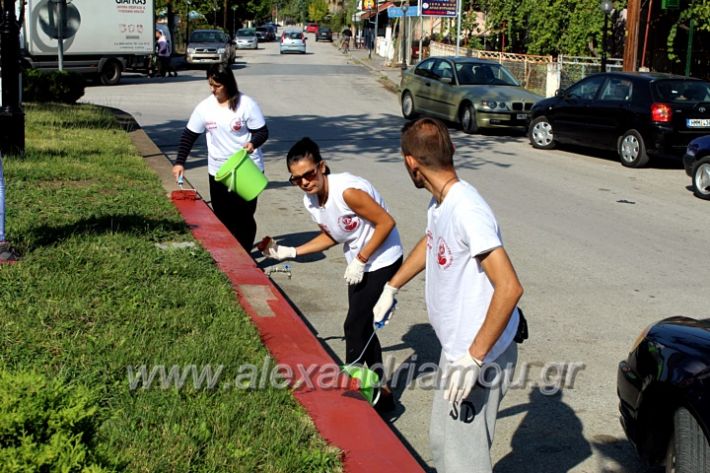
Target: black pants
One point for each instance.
(358, 328)
(235, 213)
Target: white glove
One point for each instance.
(383, 310)
(354, 272)
(460, 377)
(279, 252)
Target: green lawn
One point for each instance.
(94, 295)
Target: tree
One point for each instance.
(317, 10)
(699, 13)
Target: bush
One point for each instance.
(52, 86)
(46, 425)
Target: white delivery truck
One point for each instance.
(101, 37)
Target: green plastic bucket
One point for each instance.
(242, 176)
(368, 379)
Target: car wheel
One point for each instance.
(688, 449)
(467, 119)
(701, 178)
(632, 150)
(408, 110)
(540, 133)
(110, 73)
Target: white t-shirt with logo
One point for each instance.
(346, 227)
(227, 130)
(458, 291)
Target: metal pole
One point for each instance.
(606, 25)
(12, 118)
(377, 16)
(403, 34)
(689, 53)
(61, 14)
(458, 25)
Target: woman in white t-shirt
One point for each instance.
(348, 210)
(232, 121)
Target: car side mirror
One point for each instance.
(447, 80)
(559, 93)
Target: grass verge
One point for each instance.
(94, 298)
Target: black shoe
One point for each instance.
(8, 253)
(386, 402)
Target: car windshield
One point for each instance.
(245, 32)
(681, 91)
(471, 73)
(294, 35)
(206, 37)
(324, 30)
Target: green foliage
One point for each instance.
(52, 86)
(552, 27)
(47, 425)
(699, 13)
(317, 10)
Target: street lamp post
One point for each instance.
(403, 34)
(606, 7)
(234, 19)
(188, 4)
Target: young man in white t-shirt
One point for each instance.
(471, 294)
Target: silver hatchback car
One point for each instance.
(246, 38)
(293, 41)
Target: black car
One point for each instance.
(638, 114)
(664, 393)
(266, 33)
(697, 165)
(324, 34)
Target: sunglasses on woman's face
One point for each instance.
(308, 176)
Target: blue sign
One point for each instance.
(396, 12)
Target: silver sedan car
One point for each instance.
(474, 93)
(246, 38)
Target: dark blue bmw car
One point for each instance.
(664, 394)
(697, 165)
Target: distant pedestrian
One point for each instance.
(232, 121)
(347, 35)
(164, 52)
(471, 296)
(348, 210)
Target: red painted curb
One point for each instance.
(341, 415)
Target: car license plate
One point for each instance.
(698, 122)
(522, 116)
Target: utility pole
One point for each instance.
(631, 46)
(12, 118)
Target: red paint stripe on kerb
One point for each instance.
(342, 416)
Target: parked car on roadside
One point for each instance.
(266, 33)
(696, 162)
(637, 114)
(475, 93)
(311, 27)
(292, 41)
(246, 38)
(664, 393)
(324, 34)
(209, 47)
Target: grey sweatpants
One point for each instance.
(461, 435)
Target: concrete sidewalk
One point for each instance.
(388, 75)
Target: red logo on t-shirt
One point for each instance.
(235, 125)
(443, 254)
(349, 222)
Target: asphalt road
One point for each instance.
(601, 250)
